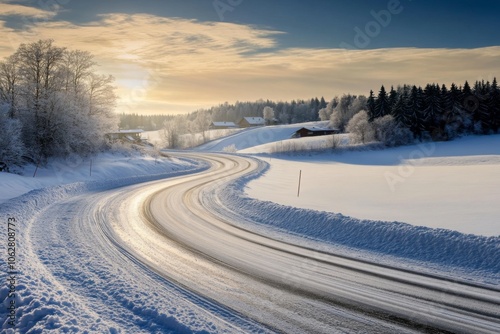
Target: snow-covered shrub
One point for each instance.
(334, 141)
(230, 149)
(127, 149)
(360, 129)
(390, 132)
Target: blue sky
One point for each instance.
(173, 56)
(326, 23)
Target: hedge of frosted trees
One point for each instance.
(52, 103)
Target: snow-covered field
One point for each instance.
(452, 185)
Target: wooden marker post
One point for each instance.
(300, 177)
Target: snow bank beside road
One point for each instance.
(105, 166)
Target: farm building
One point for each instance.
(223, 125)
(132, 135)
(247, 122)
(313, 131)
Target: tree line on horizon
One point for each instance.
(295, 111)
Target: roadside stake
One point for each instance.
(300, 177)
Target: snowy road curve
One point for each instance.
(165, 256)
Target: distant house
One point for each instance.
(133, 135)
(313, 131)
(247, 122)
(223, 125)
(273, 121)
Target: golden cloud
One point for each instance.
(174, 65)
(25, 11)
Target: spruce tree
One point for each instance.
(446, 103)
(432, 110)
(401, 111)
(382, 106)
(494, 105)
(468, 101)
(322, 103)
(481, 112)
(393, 97)
(371, 106)
(415, 110)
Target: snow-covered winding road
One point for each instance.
(158, 257)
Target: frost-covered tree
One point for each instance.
(268, 113)
(78, 66)
(60, 103)
(9, 84)
(12, 148)
(100, 94)
(39, 69)
(360, 129)
(326, 112)
(202, 123)
(348, 106)
(172, 131)
(390, 132)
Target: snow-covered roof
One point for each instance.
(314, 128)
(131, 131)
(228, 124)
(254, 120)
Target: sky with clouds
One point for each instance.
(175, 56)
